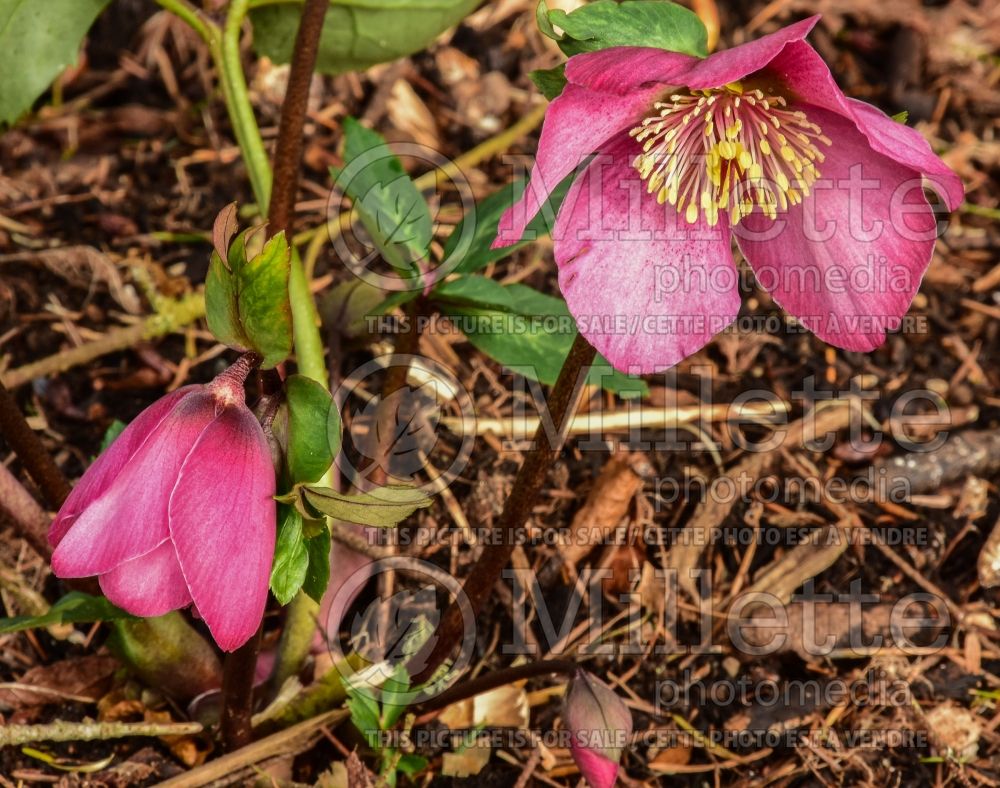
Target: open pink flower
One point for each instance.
(824, 194)
(179, 510)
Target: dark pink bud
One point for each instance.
(600, 725)
(179, 509)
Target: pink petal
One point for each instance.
(623, 69)
(847, 265)
(805, 73)
(130, 518)
(149, 585)
(907, 146)
(108, 465)
(222, 523)
(629, 268)
(598, 771)
(576, 124)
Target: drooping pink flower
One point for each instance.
(599, 724)
(823, 193)
(180, 509)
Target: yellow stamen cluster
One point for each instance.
(728, 150)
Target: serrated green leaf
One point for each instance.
(382, 508)
(38, 41)
(358, 34)
(314, 429)
(246, 303)
(291, 557)
(549, 81)
(74, 608)
(318, 574)
(640, 23)
(386, 200)
(523, 329)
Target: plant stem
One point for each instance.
(29, 449)
(302, 612)
(237, 694)
(226, 53)
(181, 8)
(288, 149)
(517, 509)
(494, 679)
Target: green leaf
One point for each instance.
(38, 41)
(523, 329)
(411, 765)
(291, 557)
(116, 428)
(478, 252)
(390, 206)
(358, 33)
(394, 695)
(383, 507)
(902, 117)
(246, 301)
(550, 81)
(364, 713)
(314, 429)
(318, 574)
(637, 23)
(74, 608)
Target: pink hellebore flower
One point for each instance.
(179, 510)
(823, 192)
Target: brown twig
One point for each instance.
(288, 149)
(29, 449)
(28, 517)
(517, 509)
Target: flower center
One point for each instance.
(728, 150)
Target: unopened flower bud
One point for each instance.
(600, 725)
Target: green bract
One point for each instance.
(246, 296)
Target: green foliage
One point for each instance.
(387, 202)
(525, 330)
(301, 556)
(74, 608)
(38, 40)
(246, 296)
(550, 81)
(314, 429)
(376, 711)
(358, 33)
(632, 23)
(382, 507)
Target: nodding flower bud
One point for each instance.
(600, 725)
(179, 510)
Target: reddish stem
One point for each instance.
(517, 509)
